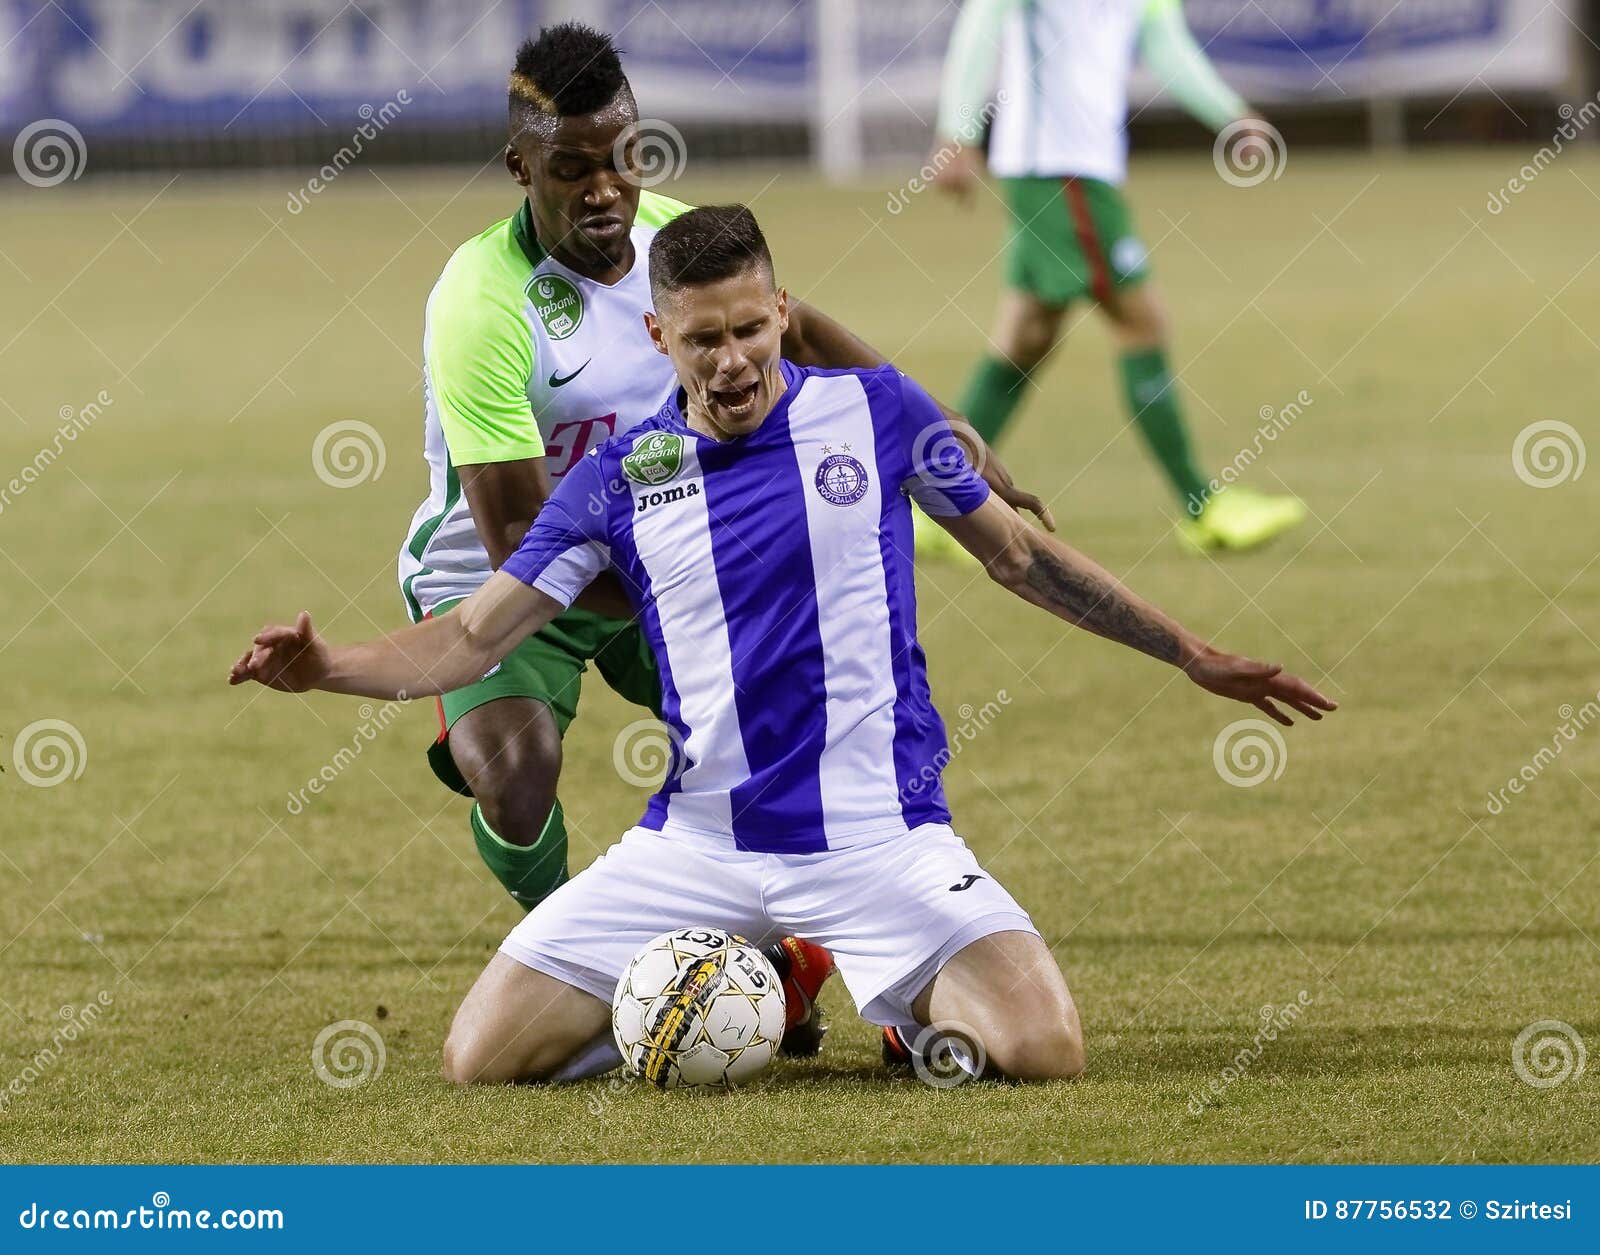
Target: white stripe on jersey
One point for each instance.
(857, 767)
(675, 547)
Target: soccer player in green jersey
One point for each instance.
(535, 352)
(1059, 146)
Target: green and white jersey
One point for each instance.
(1063, 83)
(523, 358)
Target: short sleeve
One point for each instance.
(568, 544)
(479, 356)
(942, 479)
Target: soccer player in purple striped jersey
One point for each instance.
(761, 526)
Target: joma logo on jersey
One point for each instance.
(654, 459)
(558, 304)
(681, 493)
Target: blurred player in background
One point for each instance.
(1059, 145)
(535, 352)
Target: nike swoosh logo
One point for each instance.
(557, 380)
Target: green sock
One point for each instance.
(993, 393)
(1152, 398)
(530, 873)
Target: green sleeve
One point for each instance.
(969, 68)
(479, 356)
(1171, 54)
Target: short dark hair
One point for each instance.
(565, 71)
(704, 245)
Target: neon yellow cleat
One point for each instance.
(1240, 518)
(934, 544)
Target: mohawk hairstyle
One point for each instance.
(566, 70)
(704, 245)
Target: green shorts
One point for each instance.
(547, 667)
(1070, 237)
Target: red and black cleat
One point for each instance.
(803, 967)
(897, 1055)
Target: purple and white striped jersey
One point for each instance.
(773, 578)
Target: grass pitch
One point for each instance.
(1450, 606)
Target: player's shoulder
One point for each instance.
(656, 210)
(886, 377)
(487, 270)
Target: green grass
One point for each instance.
(1451, 608)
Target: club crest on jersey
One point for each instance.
(841, 479)
(558, 304)
(655, 459)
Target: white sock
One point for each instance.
(596, 1059)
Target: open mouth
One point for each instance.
(602, 228)
(736, 402)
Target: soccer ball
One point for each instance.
(697, 1008)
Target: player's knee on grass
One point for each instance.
(1138, 317)
(509, 753)
(1026, 329)
(517, 1024)
(1049, 1050)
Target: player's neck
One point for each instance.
(597, 269)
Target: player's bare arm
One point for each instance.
(1051, 574)
(814, 339)
(427, 658)
(505, 498)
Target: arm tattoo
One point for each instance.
(1097, 605)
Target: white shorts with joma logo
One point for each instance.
(893, 912)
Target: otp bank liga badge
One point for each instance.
(841, 479)
(558, 304)
(654, 459)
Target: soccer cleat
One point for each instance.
(896, 1051)
(934, 544)
(1240, 518)
(803, 967)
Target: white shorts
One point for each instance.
(893, 911)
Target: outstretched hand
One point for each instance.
(1259, 684)
(290, 659)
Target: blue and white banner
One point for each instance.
(1304, 1209)
(202, 69)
